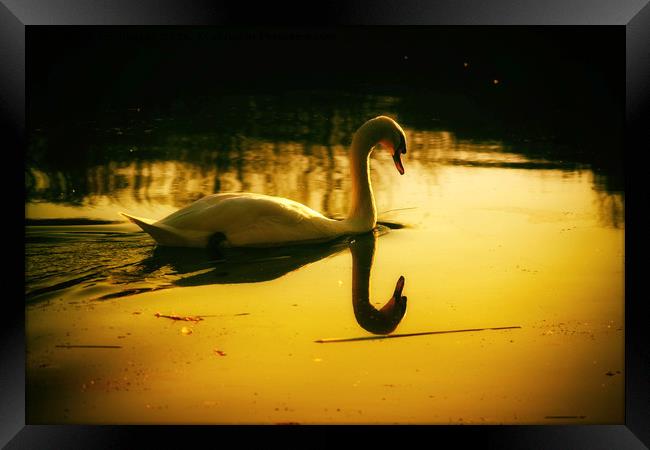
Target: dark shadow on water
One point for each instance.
(234, 266)
(68, 222)
(198, 267)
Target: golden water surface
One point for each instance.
(484, 237)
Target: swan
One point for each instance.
(256, 220)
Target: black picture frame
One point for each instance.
(16, 15)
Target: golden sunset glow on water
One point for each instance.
(488, 236)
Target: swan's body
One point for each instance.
(256, 220)
(245, 220)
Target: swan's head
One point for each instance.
(385, 131)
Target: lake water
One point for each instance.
(485, 233)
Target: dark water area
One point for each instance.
(98, 94)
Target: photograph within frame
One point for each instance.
(521, 127)
(630, 414)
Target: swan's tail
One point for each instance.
(161, 235)
(169, 236)
(140, 221)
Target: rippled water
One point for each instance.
(486, 233)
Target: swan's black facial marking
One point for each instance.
(398, 161)
(401, 148)
(397, 152)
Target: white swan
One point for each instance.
(256, 220)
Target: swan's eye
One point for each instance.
(388, 144)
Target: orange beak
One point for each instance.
(398, 161)
(401, 149)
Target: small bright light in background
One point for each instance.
(466, 65)
(495, 81)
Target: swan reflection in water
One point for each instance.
(243, 265)
(377, 321)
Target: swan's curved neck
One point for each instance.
(362, 215)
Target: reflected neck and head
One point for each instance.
(376, 321)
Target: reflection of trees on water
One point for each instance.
(250, 145)
(610, 196)
(611, 209)
(265, 145)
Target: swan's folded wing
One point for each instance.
(188, 214)
(271, 220)
(249, 219)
